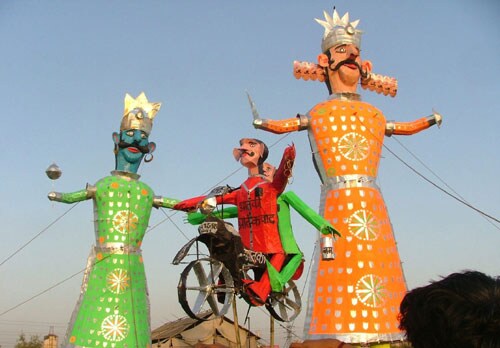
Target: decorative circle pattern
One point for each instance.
(363, 225)
(371, 291)
(118, 280)
(125, 221)
(354, 146)
(115, 328)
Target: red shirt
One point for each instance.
(257, 207)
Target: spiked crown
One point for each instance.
(339, 31)
(139, 113)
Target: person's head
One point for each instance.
(341, 54)
(132, 143)
(251, 154)
(460, 310)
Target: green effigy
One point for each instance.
(113, 308)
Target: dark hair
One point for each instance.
(461, 310)
(327, 79)
(265, 152)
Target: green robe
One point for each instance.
(113, 308)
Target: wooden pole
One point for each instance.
(236, 326)
(271, 328)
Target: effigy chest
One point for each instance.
(122, 210)
(257, 216)
(346, 137)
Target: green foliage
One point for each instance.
(34, 342)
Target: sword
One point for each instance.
(255, 113)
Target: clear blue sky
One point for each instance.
(65, 68)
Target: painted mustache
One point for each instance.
(347, 61)
(245, 151)
(124, 145)
(238, 152)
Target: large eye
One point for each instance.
(340, 49)
(130, 133)
(143, 135)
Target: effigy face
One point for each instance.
(344, 67)
(132, 143)
(249, 153)
(132, 146)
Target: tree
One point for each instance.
(34, 342)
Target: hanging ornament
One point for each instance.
(53, 172)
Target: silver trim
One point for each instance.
(117, 248)
(348, 181)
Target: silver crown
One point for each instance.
(339, 31)
(139, 113)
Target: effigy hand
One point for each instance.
(290, 151)
(289, 157)
(55, 196)
(258, 123)
(438, 119)
(327, 229)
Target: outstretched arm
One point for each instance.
(227, 213)
(409, 128)
(191, 204)
(315, 219)
(301, 122)
(73, 197)
(164, 202)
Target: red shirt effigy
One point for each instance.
(257, 207)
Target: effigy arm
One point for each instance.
(188, 205)
(73, 197)
(191, 204)
(164, 202)
(409, 128)
(284, 171)
(299, 123)
(311, 216)
(226, 213)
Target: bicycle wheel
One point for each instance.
(285, 305)
(206, 286)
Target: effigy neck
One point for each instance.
(125, 175)
(345, 96)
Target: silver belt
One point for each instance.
(348, 181)
(117, 248)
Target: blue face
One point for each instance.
(132, 145)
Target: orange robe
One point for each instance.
(356, 297)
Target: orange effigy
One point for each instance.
(354, 298)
